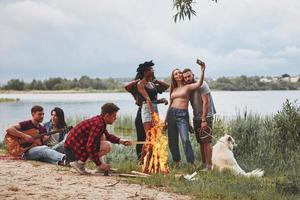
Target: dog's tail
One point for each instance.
(256, 173)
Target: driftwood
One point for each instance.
(140, 173)
(132, 176)
(114, 172)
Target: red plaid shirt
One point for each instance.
(84, 139)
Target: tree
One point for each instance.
(36, 85)
(85, 82)
(51, 83)
(184, 9)
(15, 84)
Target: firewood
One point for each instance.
(131, 176)
(139, 173)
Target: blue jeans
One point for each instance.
(59, 147)
(178, 124)
(43, 153)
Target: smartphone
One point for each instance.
(199, 61)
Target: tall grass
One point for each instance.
(270, 142)
(124, 124)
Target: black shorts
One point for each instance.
(202, 136)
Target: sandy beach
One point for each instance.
(36, 180)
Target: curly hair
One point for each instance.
(142, 68)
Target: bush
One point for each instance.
(270, 142)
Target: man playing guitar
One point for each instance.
(37, 150)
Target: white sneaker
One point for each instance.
(79, 167)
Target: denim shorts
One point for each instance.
(146, 114)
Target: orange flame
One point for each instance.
(156, 148)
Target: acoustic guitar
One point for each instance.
(17, 146)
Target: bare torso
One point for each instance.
(180, 98)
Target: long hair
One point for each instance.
(61, 117)
(173, 82)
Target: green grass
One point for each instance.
(124, 125)
(7, 100)
(209, 185)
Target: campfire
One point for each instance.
(156, 147)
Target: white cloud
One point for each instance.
(289, 52)
(34, 13)
(110, 38)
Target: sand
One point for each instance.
(37, 180)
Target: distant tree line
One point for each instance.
(244, 83)
(84, 82)
(239, 83)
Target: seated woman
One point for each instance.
(147, 95)
(57, 121)
(178, 115)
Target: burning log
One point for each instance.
(156, 148)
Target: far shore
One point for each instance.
(58, 91)
(7, 100)
(121, 90)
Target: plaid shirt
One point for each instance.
(84, 139)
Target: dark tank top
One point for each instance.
(152, 93)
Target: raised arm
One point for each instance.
(198, 83)
(141, 89)
(162, 86)
(129, 85)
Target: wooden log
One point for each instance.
(139, 142)
(131, 176)
(139, 173)
(147, 161)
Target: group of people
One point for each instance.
(89, 139)
(184, 89)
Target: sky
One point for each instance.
(70, 38)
